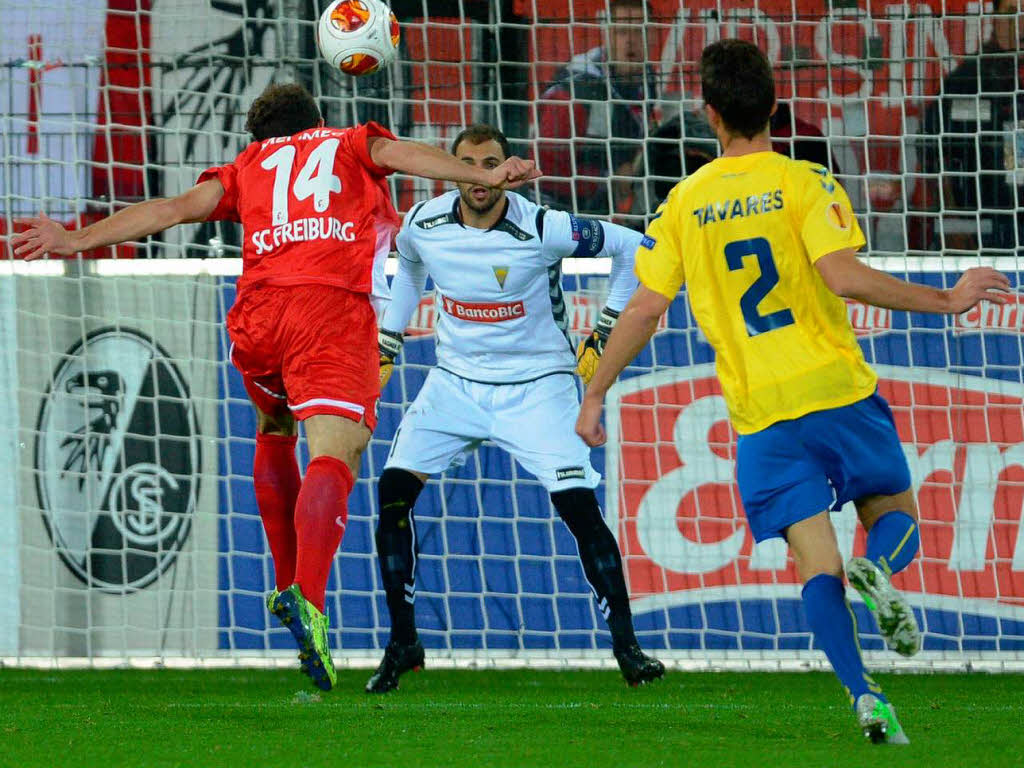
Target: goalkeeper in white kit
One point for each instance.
(505, 373)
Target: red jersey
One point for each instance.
(314, 208)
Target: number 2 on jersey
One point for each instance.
(316, 179)
(761, 287)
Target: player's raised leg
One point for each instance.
(789, 474)
(816, 553)
(321, 514)
(276, 481)
(275, 473)
(395, 536)
(893, 541)
(860, 449)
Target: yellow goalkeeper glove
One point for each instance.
(590, 349)
(390, 345)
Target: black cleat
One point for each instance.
(398, 659)
(637, 667)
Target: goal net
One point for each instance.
(128, 526)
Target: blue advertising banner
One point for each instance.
(498, 570)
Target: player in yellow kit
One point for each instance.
(767, 246)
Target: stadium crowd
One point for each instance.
(605, 152)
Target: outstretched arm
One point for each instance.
(419, 159)
(131, 223)
(847, 276)
(636, 325)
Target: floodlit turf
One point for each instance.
(259, 719)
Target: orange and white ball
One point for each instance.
(358, 36)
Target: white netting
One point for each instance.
(104, 105)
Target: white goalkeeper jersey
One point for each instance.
(500, 316)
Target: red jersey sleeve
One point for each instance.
(227, 208)
(358, 143)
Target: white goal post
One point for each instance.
(178, 578)
(128, 528)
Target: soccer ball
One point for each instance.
(358, 36)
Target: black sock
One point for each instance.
(601, 560)
(396, 549)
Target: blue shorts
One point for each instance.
(795, 469)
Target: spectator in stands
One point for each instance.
(594, 117)
(675, 149)
(978, 149)
(790, 136)
(800, 139)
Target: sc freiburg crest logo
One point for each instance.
(117, 460)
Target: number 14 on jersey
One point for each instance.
(316, 179)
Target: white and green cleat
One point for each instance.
(895, 617)
(877, 720)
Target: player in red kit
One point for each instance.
(317, 224)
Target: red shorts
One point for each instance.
(309, 348)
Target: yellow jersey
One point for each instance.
(744, 232)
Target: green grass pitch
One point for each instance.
(259, 719)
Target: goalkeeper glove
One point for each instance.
(390, 345)
(590, 349)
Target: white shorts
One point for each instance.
(535, 422)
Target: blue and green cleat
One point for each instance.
(309, 628)
(272, 604)
(877, 719)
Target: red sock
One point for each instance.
(275, 478)
(320, 517)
